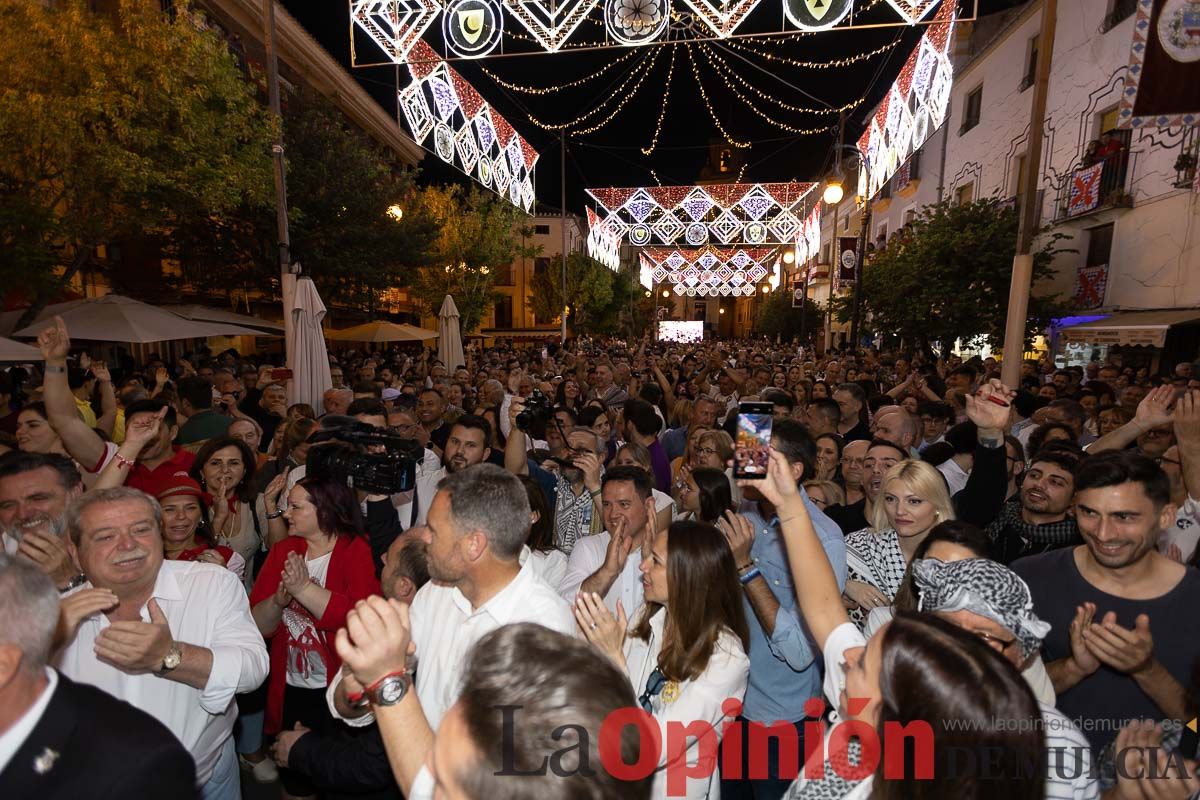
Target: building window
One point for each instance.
(825, 248)
(541, 230)
(881, 234)
(540, 265)
(1099, 248)
(1030, 65)
(725, 160)
(504, 311)
(964, 194)
(910, 216)
(504, 275)
(971, 110)
(1106, 120)
(1120, 11)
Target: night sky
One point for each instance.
(612, 155)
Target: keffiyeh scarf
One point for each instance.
(1051, 534)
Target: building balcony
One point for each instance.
(1103, 182)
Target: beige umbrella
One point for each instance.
(382, 332)
(450, 349)
(15, 351)
(309, 358)
(206, 314)
(113, 318)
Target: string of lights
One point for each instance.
(792, 62)
(624, 99)
(715, 60)
(618, 92)
(662, 113)
(708, 104)
(753, 107)
(539, 90)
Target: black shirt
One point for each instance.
(439, 435)
(1101, 703)
(859, 432)
(850, 518)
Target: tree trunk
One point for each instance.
(82, 256)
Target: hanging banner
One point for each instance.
(847, 259)
(1162, 87)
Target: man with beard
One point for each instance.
(1124, 633)
(35, 490)
(465, 445)
(478, 522)
(1038, 519)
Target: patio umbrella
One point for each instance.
(309, 359)
(382, 332)
(450, 348)
(206, 314)
(15, 351)
(114, 318)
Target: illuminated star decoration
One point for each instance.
(914, 106)
(603, 244)
(466, 131)
(726, 214)
(707, 271)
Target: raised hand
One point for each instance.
(739, 533)
(779, 487)
(1187, 421)
(1146, 770)
(619, 546)
(100, 372)
(589, 463)
(76, 607)
(990, 407)
(377, 639)
(54, 342)
(1155, 408)
(46, 550)
(600, 627)
(144, 430)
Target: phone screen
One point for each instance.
(753, 440)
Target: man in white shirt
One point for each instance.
(477, 525)
(61, 739)
(608, 564)
(175, 639)
(467, 445)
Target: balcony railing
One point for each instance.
(1103, 180)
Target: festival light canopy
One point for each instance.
(602, 244)
(913, 108)
(726, 214)
(466, 131)
(708, 271)
(476, 28)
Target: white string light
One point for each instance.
(715, 60)
(751, 105)
(539, 90)
(663, 111)
(616, 93)
(711, 111)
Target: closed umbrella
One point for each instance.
(15, 351)
(450, 348)
(309, 359)
(114, 318)
(382, 332)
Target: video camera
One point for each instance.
(536, 414)
(347, 460)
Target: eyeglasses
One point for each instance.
(995, 642)
(853, 462)
(1164, 460)
(706, 452)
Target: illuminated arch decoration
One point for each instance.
(816, 15)
(808, 238)
(720, 214)
(472, 28)
(634, 22)
(395, 25)
(466, 131)
(708, 271)
(603, 244)
(550, 21)
(913, 108)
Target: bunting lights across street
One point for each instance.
(708, 271)
(913, 108)
(440, 105)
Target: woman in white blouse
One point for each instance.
(912, 500)
(918, 671)
(686, 653)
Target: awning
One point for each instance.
(1130, 328)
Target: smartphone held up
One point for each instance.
(753, 444)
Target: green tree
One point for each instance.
(777, 318)
(341, 185)
(947, 276)
(478, 231)
(590, 287)
(115, 125)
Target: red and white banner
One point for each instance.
(1085, 189)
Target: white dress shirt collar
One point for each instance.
(505, 604)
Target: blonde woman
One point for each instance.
(912, 500)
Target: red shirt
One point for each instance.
(194, 553)
(150, 481)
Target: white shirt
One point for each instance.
(1184, 532)
(698, 700)
(13, 738)
(426, 488)
(306, 664)
(445, 628)
(956, 476)
(587, 557)
(206, 606)
(550, 565)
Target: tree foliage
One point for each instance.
(340, 186)
(478, 231)
(113, 126)
(946, 276)
(777, 318)
(589, 290)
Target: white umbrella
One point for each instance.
(450, 349)
(382, 332)
(15, 351)
(113, 318)
(206, 314)
(309, 359)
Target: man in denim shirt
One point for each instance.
(784, 666)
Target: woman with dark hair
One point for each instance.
(567, 394)
(920, 671)
(549, 563)
(820, 391)
(953, 540)
(224, 468)
(595, 415)
(706, 495)
(686, 654)
(186, 531)
(829, 457)
(308, 584)
(1045, 434)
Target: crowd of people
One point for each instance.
(943, 587)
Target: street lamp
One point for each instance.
(789, 256)
(766, 288)
(833, 191)
(666, 293)
(721, 310)
(395, 212)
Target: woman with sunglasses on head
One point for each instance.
(920, 671)
(686, 653)
(706, 495)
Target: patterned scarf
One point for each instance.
(1047, 534)
(832, 786)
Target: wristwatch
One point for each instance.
(171, 659)
(389, 690)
